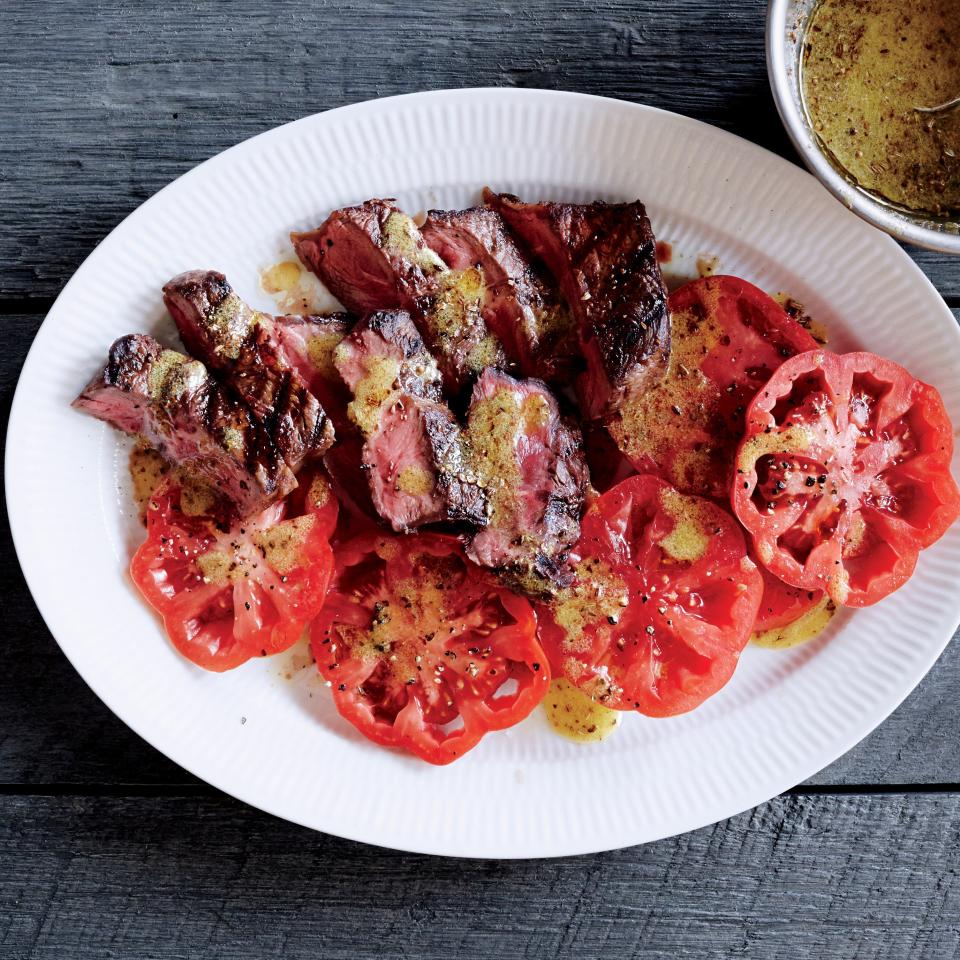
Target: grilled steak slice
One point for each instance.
(373, 257)
(454, 328)
(385, 352)
(307, 344)
(370, 257)
(533, 466)
(526, 315)
(220, 329)
(604, 259)
(351, 484)
(419, 466)
(191, 419)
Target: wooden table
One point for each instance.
(107, 849)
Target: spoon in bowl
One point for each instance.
(940, 107)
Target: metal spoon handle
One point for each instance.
(939, 107)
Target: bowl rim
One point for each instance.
(896, 224)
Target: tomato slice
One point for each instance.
(843, 475)
(782, 604)
(789, 616)
(663, 602)
(229, 593)
(727, 338)
(423, 649)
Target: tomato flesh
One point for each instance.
(843, 475)
(227, 593)
(727, 336)
(664, 600)
(422, 649)
(782, 604)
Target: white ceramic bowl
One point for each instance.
(786, 24)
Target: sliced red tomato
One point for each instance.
(229, 593)
(844, 474)
(727, 338)
(423, 649)
(782, 604)
(663, 602)
(789, 616)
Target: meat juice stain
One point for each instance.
(796, 310)
(573, 715)
(664, 251)
(291, 664)
(284, 282)
(281, 277)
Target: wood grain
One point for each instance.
(107, 849)
(99, 112)
(811, 877)
(54, 730)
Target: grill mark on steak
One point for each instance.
(419, 467)
(522, 310)
(242, 344)
(533, 466)
(604, 259)
(413, 450)
(373, 257)
(191, 419)
(385, 352)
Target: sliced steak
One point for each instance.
(453, 326)
(351, 483)
(524, 312)
(373, 257)
(307, 344)
(191, 419)
(419, 467)
(370, 257)
(242, 344)
(533, 466)
(604, 259)
(383, 353)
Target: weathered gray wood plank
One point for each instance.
(99, 110)
(815, 877)
(54, 730)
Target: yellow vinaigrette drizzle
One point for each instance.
(147, 471)
(575, 716)
(802, 630)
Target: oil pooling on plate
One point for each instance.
(294, 289)
(802, 630)
(576, 716)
